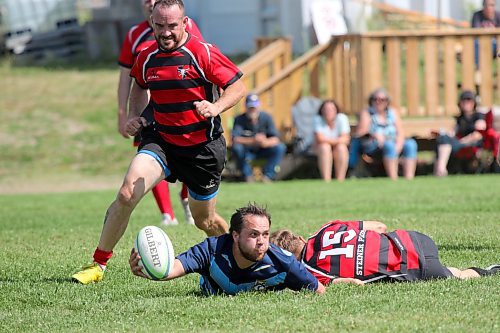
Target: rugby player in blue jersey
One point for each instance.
(242, 260)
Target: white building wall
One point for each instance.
(233, 25)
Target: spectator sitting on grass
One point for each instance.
(254, 137)
(380, 132)
(467, 133)
(331, 131)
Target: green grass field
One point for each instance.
(46, 237)
(58, 134)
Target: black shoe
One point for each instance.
(493, 269)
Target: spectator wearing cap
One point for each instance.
(255, 136)
(467, 133)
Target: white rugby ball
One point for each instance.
(156, 251)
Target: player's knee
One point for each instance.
(202, 225)
(202, 221)
(206, 223)
(127, 197)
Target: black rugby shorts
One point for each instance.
(199, 167)
(432, 267)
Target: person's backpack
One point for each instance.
(303, 113)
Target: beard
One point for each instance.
(170, 43)
(166, 44)
(251, 255)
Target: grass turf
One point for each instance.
(46, 237)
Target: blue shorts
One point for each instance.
(388, 150)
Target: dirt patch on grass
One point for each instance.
(59, 184)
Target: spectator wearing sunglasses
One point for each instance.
(381, 135)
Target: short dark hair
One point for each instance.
(326, 101)
(239, 216)
(169, 3)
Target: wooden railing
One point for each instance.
(424, 72)
(269, 60)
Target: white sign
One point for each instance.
(327, 19)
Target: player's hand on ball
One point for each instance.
(135, 124)
(207, 109)
(134, 264)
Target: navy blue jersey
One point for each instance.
(213, 259)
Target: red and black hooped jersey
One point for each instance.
(344, 249)
(140, 37)
(176, 79)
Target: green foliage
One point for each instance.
(46, 237)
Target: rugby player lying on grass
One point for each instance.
(242, 260)
(363, 251)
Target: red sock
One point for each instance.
(101, 257)
(184, 192)
(162, 196)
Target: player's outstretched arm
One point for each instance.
(177, 269)
(376, 226)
